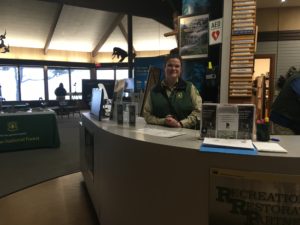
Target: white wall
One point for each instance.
(225, 51)
(287, 54)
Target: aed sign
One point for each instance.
(215, 31)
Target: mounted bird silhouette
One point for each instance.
(3, 46)
(120, 53)
(3, 36)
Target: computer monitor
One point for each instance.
(97, 103)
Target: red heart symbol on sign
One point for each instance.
(215, 34)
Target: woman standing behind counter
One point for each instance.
(173, 102)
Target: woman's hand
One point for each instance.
(171, 121)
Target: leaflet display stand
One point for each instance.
(235, 121)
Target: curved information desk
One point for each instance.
(138, 179)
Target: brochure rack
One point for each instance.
(242, 48)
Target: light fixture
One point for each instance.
(282, 0)
(3, 46)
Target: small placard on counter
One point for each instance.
(269, 147)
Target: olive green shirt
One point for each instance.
(188, 122)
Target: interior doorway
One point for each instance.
(263, 84)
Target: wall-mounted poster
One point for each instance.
(240, 197)
(195, 6)
(141, 70)
(193, 36)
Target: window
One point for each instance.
(32, 78)
(32, 82)
(55, 77)
(105, 74)
(121, 74)
(77, 75)
(9, 83)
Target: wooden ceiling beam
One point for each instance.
(53, 27)
(108, 32)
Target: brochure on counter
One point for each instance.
(231, 146)
(230, 143)
(269, 147)
(228, 121)
(239, 146)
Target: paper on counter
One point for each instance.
(269, 147)
(233, 143)
(159, 132)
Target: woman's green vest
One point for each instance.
(178, 104)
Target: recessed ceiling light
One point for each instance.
(282, 0)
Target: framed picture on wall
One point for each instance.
(193, 36)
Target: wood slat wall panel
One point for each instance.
(243, 38)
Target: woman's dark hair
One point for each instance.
(174, 51)
(173, 55)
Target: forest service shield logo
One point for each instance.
(179, 95)
(12, 126)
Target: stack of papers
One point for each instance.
(233, 143)
(239, 146)
(231, 146)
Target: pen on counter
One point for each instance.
(274, 139)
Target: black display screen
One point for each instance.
(97, 103)
(88, 85)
